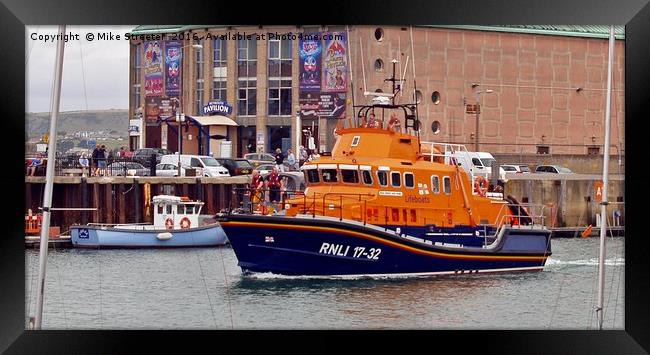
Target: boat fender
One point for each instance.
(185, 223)
(164, 236)
(169, 223)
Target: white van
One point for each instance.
(205, 165)
(475, 163)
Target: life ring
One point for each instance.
(185, 223)
(169, 223)
(481, 185)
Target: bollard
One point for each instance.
(136, 201)
(84, 199)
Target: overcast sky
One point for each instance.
(105, 66)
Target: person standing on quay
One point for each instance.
(95, 161)
(304, 155)
(279, 159)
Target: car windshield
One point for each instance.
(243, 164)
(509, 168)
(209, 161)
(524, 168)
(487, 161)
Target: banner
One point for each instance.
(134, 127)
(153, 67)
(309, 53)
(152, 108)
(309, 105)
(335, 72)
(173, 68)
(217, 108)
(332, 105)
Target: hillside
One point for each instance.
(37, 123)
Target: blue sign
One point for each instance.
(91, 143)
(83, 233)
(217, 107)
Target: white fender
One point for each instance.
(164, 236)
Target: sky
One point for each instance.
(104, 65)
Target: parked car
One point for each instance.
(236, 166)
(122, 168)
(554, 169)
(265, 168)
(168, 170)
(259, 158)
(143, 155)
(516, 168)
(204, 165)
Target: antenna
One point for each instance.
(399, 51)
(363, 66)
(347, 30)
(415, 87)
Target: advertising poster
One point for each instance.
(332, 105)
(173, 68)
(165, 109)
(309, 53)
(309, 104)
(153, 69)
(335, 72)
(134, 127)
(152, 108)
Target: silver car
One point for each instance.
(121, 168)
(168, 170)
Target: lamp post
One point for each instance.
(478, 112)
(180, 118)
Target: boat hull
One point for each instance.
(327, 247)
(103, 237)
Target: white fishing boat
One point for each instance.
(175, 224)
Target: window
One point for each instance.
(379, 64)
(195, 163)
(414, 216)
(447, 184)
(247, 98)
(409, 180)
(593, 150)
(435, 184)
(395, 179)
(350, 176)
(279, 72)
(189, 209)
(279, 97)
(160, 209)
(382, 177)
(137, 72)
(329, 175)
(181, 209)
(379, 34)
(198, 64)
(543, 149)
(219, 71)
(367, 177)
(355, 141)
(169, 209)
(476, 162)
(312, 176)
(435, 97)
(247, 77)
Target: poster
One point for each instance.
(152, 108)
(309, 53)
(332, 105)
(153, 75)
(309, 105)
(134, 127)
(173, 68)
(335, 72)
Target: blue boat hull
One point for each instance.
(98, 237)
(302, 246)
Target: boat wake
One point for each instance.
(590, 262)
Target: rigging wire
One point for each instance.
(83, 75)
(617, 258)
(205, 286)
(58, 274)
(29, 52)
(225, 277)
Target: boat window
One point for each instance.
(395, 178)
(447, 184)
(435, 184)
(350, 176)
(395, 214)
(382, 177)
(169, 209)
(414, 216)
(367, 177)
(189, 209)
(329, 175)
(312, 176)
(180, 209)
(355, 141)
(160, 209)
(409, 180)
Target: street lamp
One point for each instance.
(180, 118)
(478, 112)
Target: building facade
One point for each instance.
(528, 89)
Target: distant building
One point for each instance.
(543, 87)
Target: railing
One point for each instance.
(72, 166)
(528, 214)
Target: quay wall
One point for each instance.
(124, 199)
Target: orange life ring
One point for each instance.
(169, 223)
(185, 223)
(481, 185)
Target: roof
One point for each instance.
(589, 31)
(216, 120)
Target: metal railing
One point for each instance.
(75, 166)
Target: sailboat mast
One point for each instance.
(49, 180)
(604, 202)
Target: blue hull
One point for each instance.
(96, 237)
(324, 247)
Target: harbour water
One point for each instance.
(203, 288)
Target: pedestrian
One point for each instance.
(121, 153)
(83, 161)
(255, 188)
(33, 163)
(94, 161)
(274, 186)
(291, 160)
(101, 160)
(303, 155)
(279, 159)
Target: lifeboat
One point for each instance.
(384, 203)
